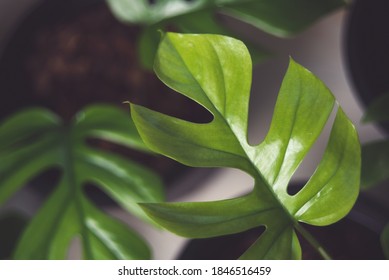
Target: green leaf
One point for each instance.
(375, 163)
(144, 12)
(205, 22)
(281, 17)
(385, 241)
(35, 140)
(215, 71)
(377, 111)
(278, 17)
(375, 155)
(147, 45)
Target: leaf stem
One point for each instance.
(313, 242)
(72, 181)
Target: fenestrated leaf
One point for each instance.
(215, 71)
(41, 141)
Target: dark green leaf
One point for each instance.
(375, 163)
(215, 71)
(278, 242)
(34, 141)
(144, 12)
(204, 22)
(108, 123)
(281, 17)
(208, 219)
(378, 110)
(277, 17)
(27, 125)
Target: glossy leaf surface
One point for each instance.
(34, 140)
(215, 71)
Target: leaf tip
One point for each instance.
(295, 65)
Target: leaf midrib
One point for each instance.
(69, 172)
(56, 223)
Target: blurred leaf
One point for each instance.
(375, 163)
(277, 17)
(147, 13)
(377, 110)
(215, 71)
(34, 140)
(147, 46)
(375, 155)
(204, 22)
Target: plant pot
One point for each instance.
(69, 54)
(366, 47)
(355, 237)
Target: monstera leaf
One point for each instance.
(277, 17)
(215, 71)
(35, 140)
